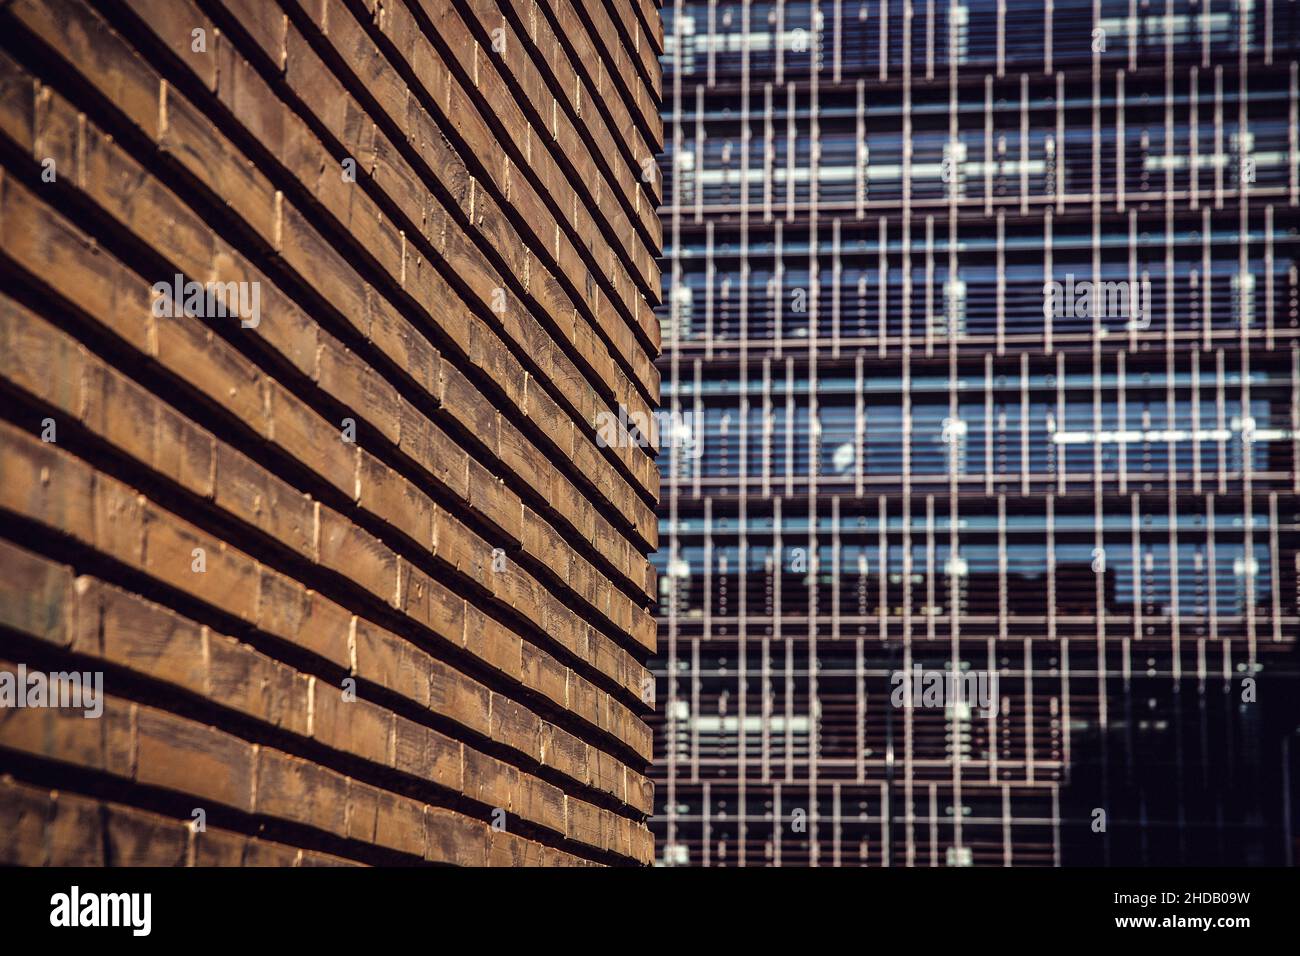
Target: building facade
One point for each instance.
(980, 364)
(315, 546)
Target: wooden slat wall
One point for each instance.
(394, 485)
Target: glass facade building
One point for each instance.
(981, 326)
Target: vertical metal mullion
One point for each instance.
(742, 508)
(779, 43)
(1001, 37)
(791, 150)
(1024, 144)
(907, 180)
(883, 284)
(778, 293)
(742, 651)
(712, 68)
(988, 145)
(1195, 358)
(1246, 306)
(836, 274)
(839, 41)
(1002, 568)
(1095, 345)
(1049, 11)
(1096, 121)
(1139, 585)
(778, 638)
(929, 286)
(1000, 287)
(1169, 117)
(929, 39)
(906, 516)
(1275, 567)
(1205, 33)
(988, 424)
(710, 279)
(1024, 424)
(1051, 568)
(814, 456)
(1031, 712)
(882, 570)
(837, 568)
(1048, 267)
(955, 574)
(859, 427)
(695, 709)
(884, 40)
(1171, 408)
(929, 568)
(1175, 603)
(1062, 457)
(1268, 277)
(958, 178)
(1207, 282)
(697, 374)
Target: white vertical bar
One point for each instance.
(1024, 144)
(1001, 283)
(1002, 37)
(1049, 10)
(884, 40)
(1024, 423)
(929, 286)
(988, 145)
(988, 424)
(882, 285)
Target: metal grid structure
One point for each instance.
(310, 313)
(888, 449)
